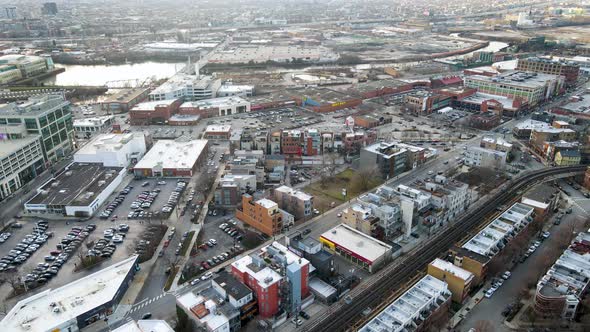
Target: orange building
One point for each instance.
(263, 214)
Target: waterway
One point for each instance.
(114, 75)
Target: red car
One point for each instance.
(203, 246)
(166, 243)
(55, 253)
(205, 265)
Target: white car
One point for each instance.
(195, 281)
(206, 276)
(213, 241)
(222, 226)
(506, 275)
(161, 182)
(117, 239)
(489, 293)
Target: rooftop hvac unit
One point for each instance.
(69, 173)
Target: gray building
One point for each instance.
(46, 115)
(387, 159)
(21, 160)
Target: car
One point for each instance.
(537, 244)
(145, 184)
(546, 235)
(195, 281)
(489, 293)
(297, 321)
(206, 276)
(306, 231)
(414, 235)
(161, 182)
(147, 315)
(16, 225)
(506, 275)
(213, 241)
(304, 314)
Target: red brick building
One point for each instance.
(292, 142)
(153, 112)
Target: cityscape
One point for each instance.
(294, 165)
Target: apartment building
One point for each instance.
(296, 202)
(481, 157)
(21, 160)
(387, 159)
(531, 87)
(263, 215)
(48, 116)
(361, 219)
(231, 187)
(568, 69)
(459, 281)
(385, 206)
(28, 65)
(186, 87)
(85, 128)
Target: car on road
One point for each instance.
(304, 314)
(297, 321)
(195, 281)
(546, 235)
(339, 215)
(489, 293)
(206, 276)
(147, 315)
(506, 275)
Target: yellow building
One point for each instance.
(458, 279)
(472, 262)
(567, 158)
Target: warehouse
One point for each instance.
(78, 191)
(113, 150)
(73, 306)
(215, 107)
(172, 158)
(325, 100)
(357, 247)
(217, 132)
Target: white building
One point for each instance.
(88, 127)
(113, 150)
(490, 240)
(73, 306)
(78, 191)
(172, 158)
(145, 325)
(204, 312)
(482, 157)
(227, 90)
(187, 87)
(21, 160)
(412, 309)
(219, 106)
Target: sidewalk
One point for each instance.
(470, 304)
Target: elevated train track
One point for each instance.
(342, 316)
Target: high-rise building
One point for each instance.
(46, 115)
(21, 160)
(10, 12)
(49, 8)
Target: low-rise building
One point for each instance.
(78, 191)
(544, 198)
(325, 100)
(361, 249)
(227, 90)
(153, 112)
(423, 303)
(561, 290)
(124, 100)
(361, 219)
(496, 143)
(85, 128)
(390, 159)
(76, 305)
(207, 108)
(459, 281)
(231, 187)
(145, 325)
(425, 102)
(568, 158)
(113, 150)
(172, 158)
(481, 157)
(568, 69)
(217, 132)
(296, 202)
(186, 87)
(263, 215)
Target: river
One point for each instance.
(101, 74)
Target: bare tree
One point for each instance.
(484, 326)
(13, 280)
(362, 179)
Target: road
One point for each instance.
(490, 309)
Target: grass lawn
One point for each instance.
(332, 190)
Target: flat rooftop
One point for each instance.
(415, 303)
(94, 121)
(515, 78)
(510, 222)
(50, 309)
(173, 154)
(582, 105)
(218, 129)
(357, 242)
(479, 97)
(293, 192)
(148, 325)
(182, 81)
(232, 285)
(78, 185)
(324, 96)
(531, 124)
(264, 275)
(452, 269)
(109, 142)
(216, 102)
(125, 96)
(150, 106)
(9, 146)
(34, 106)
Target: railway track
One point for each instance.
(341, 316)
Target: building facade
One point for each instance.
(263, 215)
(296, 202)
(21, 160)
(568, 69)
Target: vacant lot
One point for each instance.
(330, 189)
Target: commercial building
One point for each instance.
(217, 132)
(153, 112)
(459, 281)
(186, 87)
(113, 150)
(78, 191)
(21, 160)
(278, 277)
(296, 202)
(353, 142)
(46, 115)
(427, 300)
(561, 291)
(73, 306)
(495, 143)
(263, 215)
(357, 247)
(9, 73)
(325, 100)
(231, 187)
(124, 100)
(568, 69)
(481, 157)
(524, 129)
(530, 87)
(172, 158)
(391, 159)
(425, 102)
(207, 108)
(85, 128)
(29, 65)
(227, 90)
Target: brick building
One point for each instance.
(263, 215)
(153, 112)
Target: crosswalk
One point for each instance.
(146, 302)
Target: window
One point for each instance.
(51, 117)
(43, 121)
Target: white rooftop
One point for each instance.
(213, 321)
(357, 242)
(50, 309)
(293, 192)
(173, 154)
(266, 203)
(182, 81)
(109, 142)
(150, 106)
(453, 269)
(264, 277)
(415, 303)
(531, 124)
(216, 102)
(94, 121)
(148, 325)
(218, 128)
(510, 222)
(534, 203)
